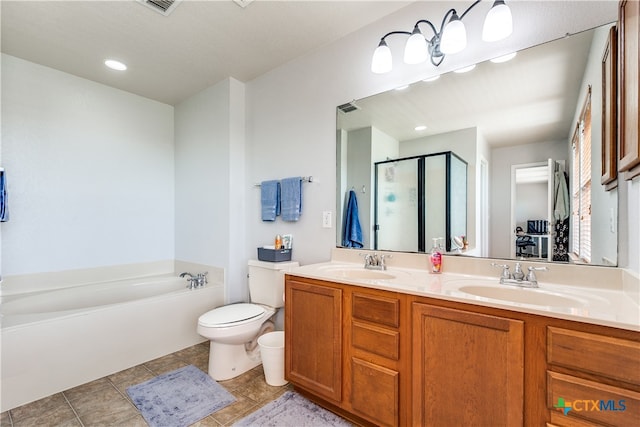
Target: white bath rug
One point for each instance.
(292, 410)
(179, 398)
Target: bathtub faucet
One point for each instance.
(197, 281)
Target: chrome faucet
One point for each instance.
(374, 261)
(518, 277)
(197, 281)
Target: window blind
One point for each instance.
(581, 185)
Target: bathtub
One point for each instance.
(54, 340)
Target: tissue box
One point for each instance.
(274, 255)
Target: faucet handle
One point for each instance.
(383, 257)
(505, 270)
(531, 276)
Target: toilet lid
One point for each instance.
(231, 314)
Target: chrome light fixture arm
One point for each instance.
(419, 47)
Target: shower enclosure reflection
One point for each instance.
(420, 199)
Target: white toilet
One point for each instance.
(233, 330)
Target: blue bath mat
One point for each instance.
(179, 398)
(292, 410)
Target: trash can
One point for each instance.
(272, 353)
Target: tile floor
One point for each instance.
(104, 402)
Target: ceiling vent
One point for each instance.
(348, 107)
(164, 7)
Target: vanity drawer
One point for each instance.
(376, 309)
(594, 354)
(592, 401)
(376, 340)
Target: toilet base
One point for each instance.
(227, 361)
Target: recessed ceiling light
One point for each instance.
(419, 128)
(402, 87)
(465, 69)
(431, 79)
(115, 65)
(504, 58)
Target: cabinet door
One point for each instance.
(468, 368)
(629, 90)
(375, 392)
(313, 338)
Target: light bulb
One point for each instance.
(504, 58)
(454, 36)
(498, 24)
(416, 50)
(382, 61)
(115, 65)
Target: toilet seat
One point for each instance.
(231, 315)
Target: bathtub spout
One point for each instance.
(196, 281)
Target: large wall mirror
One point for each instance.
(519, 127)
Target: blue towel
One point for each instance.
(291, 198)
(270, 198)
(352, 232)
(4, 208)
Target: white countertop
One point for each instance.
(589, 304)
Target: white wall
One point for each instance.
(210, 183)
(90, 173)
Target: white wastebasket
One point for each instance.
(272, 352)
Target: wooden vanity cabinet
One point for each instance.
(343, 345)
(313, 337)
(387, 358)
(595, 375)
(468, 368)
(377, 356)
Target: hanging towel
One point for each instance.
(352, 232)
(4, 208)
(270, 198)
(291, 198)
(561, 201)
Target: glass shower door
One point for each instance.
(397, 205)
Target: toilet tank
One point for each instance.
(266, 282)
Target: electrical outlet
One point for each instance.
(326, 219)
(612, 220)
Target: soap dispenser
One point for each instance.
(436, 257)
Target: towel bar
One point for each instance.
(304, 179)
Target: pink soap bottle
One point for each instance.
(436, 257)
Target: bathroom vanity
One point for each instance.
(405, 347)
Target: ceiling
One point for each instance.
(532, 98)
(170, 58)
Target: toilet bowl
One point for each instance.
(233, 330)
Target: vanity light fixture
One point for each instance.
(115, 65)
(504, 58)
(432, 79)
(465, 69)
(450, 39)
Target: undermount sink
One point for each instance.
(524, 296)
(349, 273)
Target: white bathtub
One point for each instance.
(55, 340)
